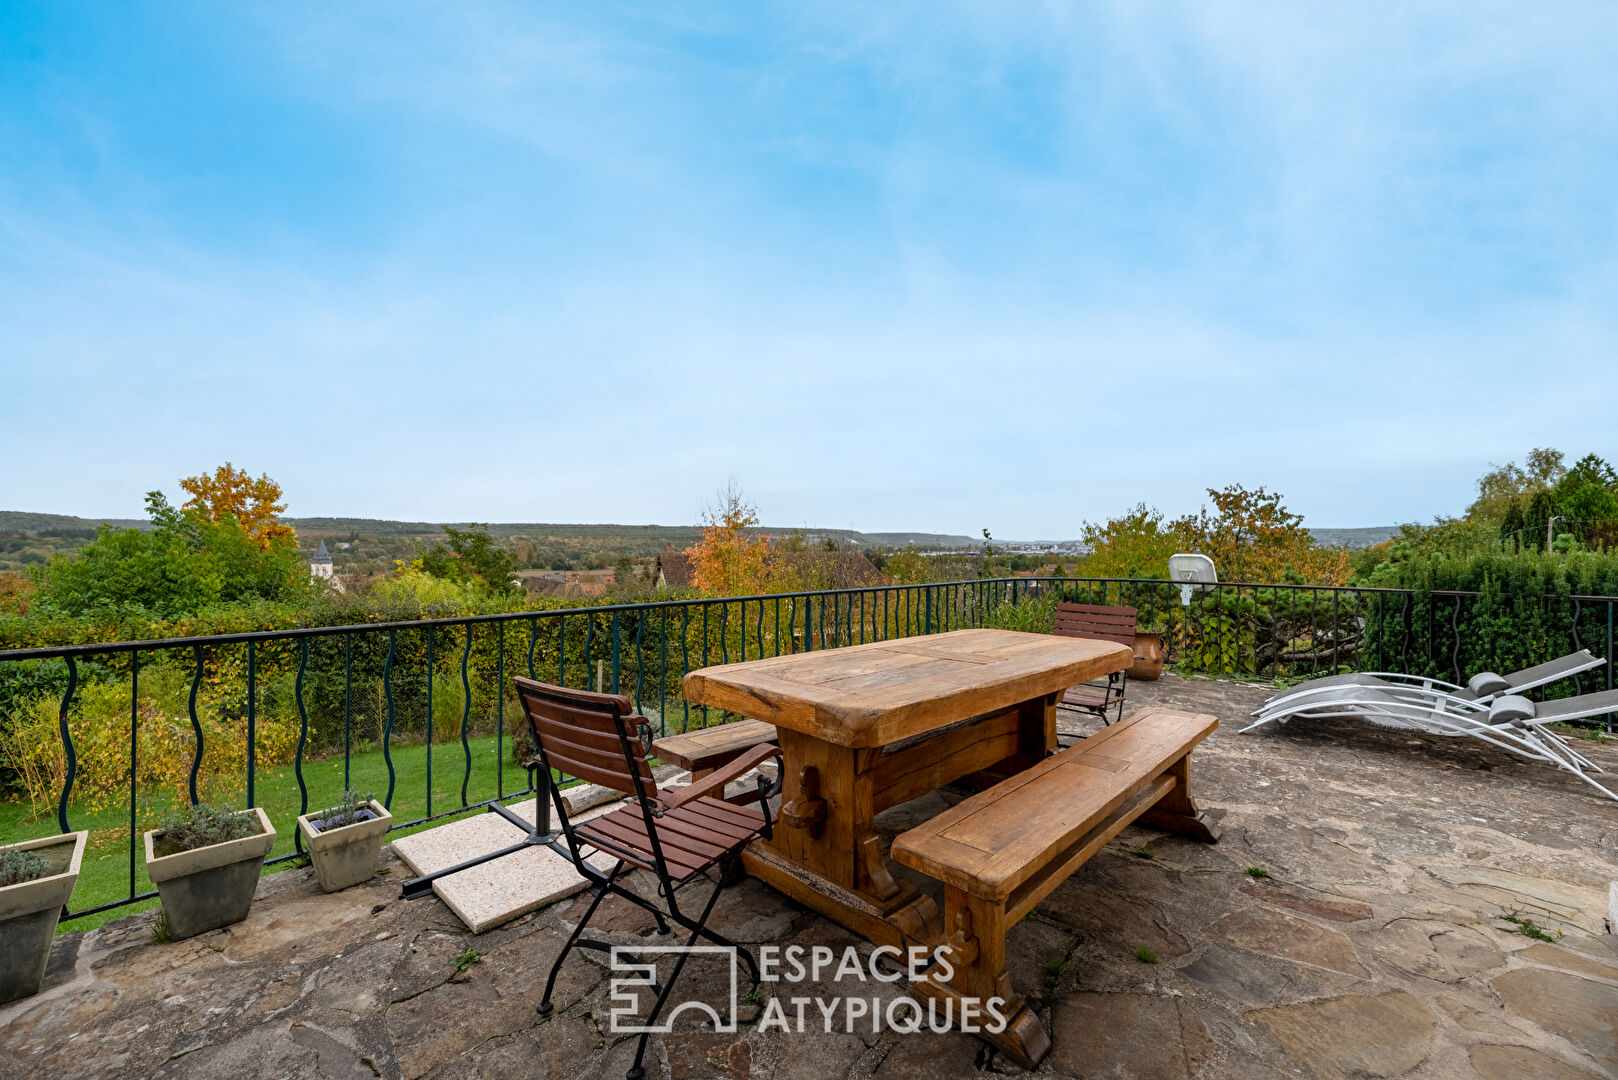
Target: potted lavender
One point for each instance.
(205, 861)
(36, 879)
(344, 841)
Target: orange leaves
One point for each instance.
(728, 561)
(1250, 536)
(255, 504)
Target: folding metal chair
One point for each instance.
(1099, 624)
(676, 835)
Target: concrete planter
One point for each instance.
(210, 887)
(29, 911)
(345, 856)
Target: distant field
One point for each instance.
(1354, 539)
(369, 545)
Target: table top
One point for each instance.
(876, 694)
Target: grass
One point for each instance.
(1257, 872)
(1145, 955)
(467, 959)
(105, 873)
(1056, 965)
(1526, 927)
(1581, 731)
(1142, 851)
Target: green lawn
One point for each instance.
(104, 876)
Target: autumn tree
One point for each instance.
(230, 492)
(1136, 545)
(1510, 485)
(472, 555)
(1251, 536)
(732, 558)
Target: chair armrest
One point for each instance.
(717, 779)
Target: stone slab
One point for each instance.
(487, 896)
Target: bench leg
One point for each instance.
(975, 932)
(1177, 812)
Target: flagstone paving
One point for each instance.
(1373, 948)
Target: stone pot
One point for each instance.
(345, 856)
(1148, 663)
(29, 911)
(213, 886)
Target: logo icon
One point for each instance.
(640, 971)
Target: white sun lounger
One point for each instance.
(1330, 695)
(1508, 721)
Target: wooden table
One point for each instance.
(867, 727)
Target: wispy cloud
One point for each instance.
(939, 266)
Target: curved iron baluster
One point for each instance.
(533, 640)
(134, 755)
(1455, 627)
(1404, 643)
(1578, 683)
(303, 738)
(500, 713)
(196, 725)
(685, 665)
(640, 668)
(663, 671)
(430, 721)
(252, 721)
(466, 712)
(67, 743)
(589, 652)
(724, 633)
(348, 707)
(387, 724)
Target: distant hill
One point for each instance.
(1354, 539)
(368, 545)
(44, 524)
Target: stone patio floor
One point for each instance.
(1373, 948)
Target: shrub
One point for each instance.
(32, 756)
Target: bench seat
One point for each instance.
(1002, 851)
(706, 749)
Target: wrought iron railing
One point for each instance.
(158, 723)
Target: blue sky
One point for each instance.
(909, 266)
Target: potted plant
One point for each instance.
(36, 879)
(1148, 663)
(344, 841)
(205, 861)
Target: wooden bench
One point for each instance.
(1002, 851)
(711, 748)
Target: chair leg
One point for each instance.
(544, 1006)
(636, 1072)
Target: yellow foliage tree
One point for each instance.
(1252, 537)
(255, 504)
(728, 560)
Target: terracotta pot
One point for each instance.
(1148, 663)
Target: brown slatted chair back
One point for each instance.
(595, 737)
(1096, 622)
